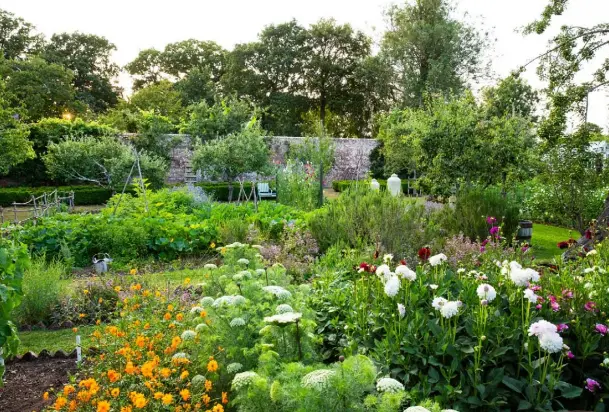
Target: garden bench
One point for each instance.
(264, 191)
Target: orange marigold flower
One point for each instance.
(225, 397)
(72, 405)
(139, 400)
(130, 369)
(185, 394)
(148, 368)
(103, 406)
(115, 392)
(133, 271)
(68, 389)
(167, 316)
(206, 399)
(169, 307)
(203, 314)
(158, 395)
(179, 317)
(82, 315)
(165, 372)
(83, 396)
(140, 341)
(113, 375)
(218, 408)
(147, 326)
(175, 341)
(126, 409)
(45, 396)
(208, 385)
(212, 365)
(167, 399)
(74, 330)
(60, 402)
(184, 375)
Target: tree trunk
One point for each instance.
(322, 109)
(230, 191)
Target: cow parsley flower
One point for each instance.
(437, 303)
(235, 245)
(188, 335)
(284, 318)
(284, 308)
(318, 379)
(278, 291)
(206, 301)
(392, 286)
(180, 355)
(389, 385)
(416, 409)
(243, 379)
(486, 292)
(234, 367)
(197, 309)
(200, 327)
(260, 272)
(210, 266)
(438, 259)
(198, 381)
(228, 300)
(450, 308)
(401, 310)
(243, 261)
(406, 273)
(237, 322)
(530, 295)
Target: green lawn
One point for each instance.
(53, 340)
(546, 237)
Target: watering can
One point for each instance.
(100, 262)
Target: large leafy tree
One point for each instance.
(228, 158)
(16, 148)
(224, 117)
(146, 68)
(89, 57)
(430, 50)
(334, 53)
(17, 37)
(161, 98)
(42, 89)
(179, 58)
(511, 96)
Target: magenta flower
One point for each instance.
(561, 326)
(535, 288)
(570, 355)
(491, 220)
(592, 385)
(602, 329)
(482, 249)
(494, 230)
(554, 306)
(525, 248)
(590, 306)
(566, 293)
(538, 307)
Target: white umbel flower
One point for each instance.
(392, 286)
(284, 318)
(188, 335)
(529, 294)
(180, 355)
(486, 291)
(389, 385)
(450, 308)
(235, 245)
(437, 303)
(406, 273)
(243, 261)
(200, 327)
(260, 272)
(197, 309)
(234, 367)
(318, 379)
(438, 259)
(228, 300)
(243, 379)
(278, 291)
(284, 308)
(210, 266)
(416, 409)
(237, 322)
(207, 301)
(198, 381)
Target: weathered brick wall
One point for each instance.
(352, 157)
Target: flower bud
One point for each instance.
(484, 302)
(483, 338)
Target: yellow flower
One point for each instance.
(45, 396)
(206, 399)
(158, 395)
(212, 245)
(218, 408)
(125, 408)
(133, 271)
(115, 392)
(86, 292)
(165, 372)
(179, 317)
(212, 365)
(224, 398)
(113, 375)
(117, 289)
(185, 394)
(103, 406)
(130, 369)
(184, 375)
(167, 399)
(82, 315)
(208, 385)
(167, 316)
(186, 281)
(100, 300)
(68, 389)
(169, 307)
(60, 402)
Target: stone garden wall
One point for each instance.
(352, 158)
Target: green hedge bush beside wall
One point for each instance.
(342, 185)
(83, 195)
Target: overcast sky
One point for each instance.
(133, 25)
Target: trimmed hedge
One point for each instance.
(83, 195)
(342, 185)
(219, 190)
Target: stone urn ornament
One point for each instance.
(394, 185)
(375, 185)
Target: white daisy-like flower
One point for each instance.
(188, 335)
(461, 270)
(198, 381)
(243, 379)
(406, 273)
(591, 253)
(318, 379)
(392, 286)
(589, 270)
(438, 259)
(437, 303)
(387, 258)
(530, 295)
(243, 261)
(206, 301)
(284, 308)
(283, 318)
(486, 291)
(278, 291)
(401, 310)
(210, 266)
(551, 342)
(237, 322)
(389, 385)
(542, 327)
(196, 309)
(433, 287)
(450, 308)
(234, 367)
(200, 327)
